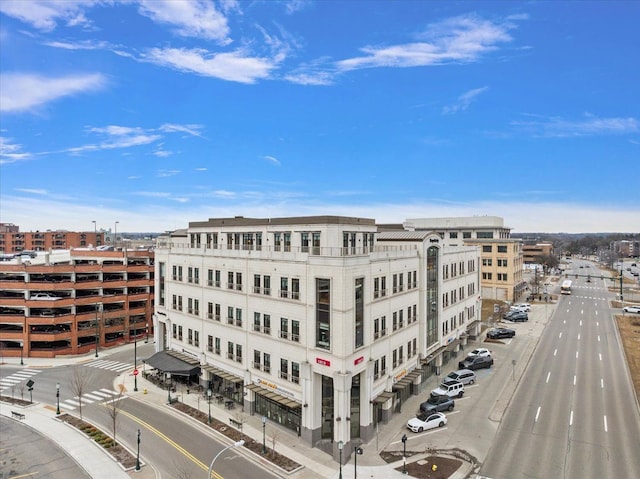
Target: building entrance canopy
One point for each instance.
(165, 362)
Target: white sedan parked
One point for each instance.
(425, 421)
(631, 309)
(479, 352)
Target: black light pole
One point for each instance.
(135, 365)
(58, 398)
(21, 352)
(138, 455)
(97, 332)
(340, 446)
(264, 426)
(169, 387)
(404, 454)
(146, 339)
(358, 452)
(209, 392)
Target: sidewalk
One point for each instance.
(317, 464)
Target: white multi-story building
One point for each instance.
(323, 324)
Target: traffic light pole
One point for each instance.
(589, 276)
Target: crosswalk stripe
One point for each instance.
(72, 402)
(100, 393)
(25, 374)
(91, 396)
(10, 381)
(108, 391)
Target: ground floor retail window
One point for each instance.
(274, 411)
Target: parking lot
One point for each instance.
(472, 424)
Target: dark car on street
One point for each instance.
(516, 316)
(476, 362)
(437, 403)
(499, 333)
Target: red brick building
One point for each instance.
(14, 241)
(59, 302)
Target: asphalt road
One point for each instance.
(574, 413)
(175, 447)
(24, 453)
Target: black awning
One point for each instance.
(169, 364)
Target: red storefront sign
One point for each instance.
(323, 362)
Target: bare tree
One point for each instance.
(274, 435)
(79, 382)
(113, 410)
(21, 387)
(182, 470)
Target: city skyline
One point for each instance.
(158, 113)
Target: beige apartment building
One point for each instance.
(501, 257)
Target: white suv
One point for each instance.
(450, 388)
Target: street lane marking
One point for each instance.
(564, 321)
(571, 418)
(580, 322)
(600, 356)
(577, 354)
(598, 338)
(605, 424)
(537, 414)
(548, 376)
(559, 335)
(169, 441)
(555, 351)
(597, 323)
(578, 336)
(574, 379)
(92, 396)
(601, 383)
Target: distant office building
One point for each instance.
(323, 324)
(9, 228)
(534, 252)
(14, 241)
(501, 266)
(60, 302)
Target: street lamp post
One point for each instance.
(95, 233)
(97, 332)
(358, 452)
(138, 455)
(135, 365)
(115, 235)
(264, 426)
(340, 446)
(146, 339)
(404, 454)
(235, 444)
(169, 387)
(57, 398)
(209, 392)
(21, 353)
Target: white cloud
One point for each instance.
(194, 130)
(11, 152)
(167, 173)
(460, 39)
(231, 66)
(22, 91)
(45, 14)
(33, 191)
(464, 100)
(557, 127)
(193, 18)
(272, 159)
(162, 153)
(50, 213)
(201, 169)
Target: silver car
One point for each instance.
(465, 376)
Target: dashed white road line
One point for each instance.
(571, 418)
(606, 429)
(601, 383)
(537, 414)
(577, 352)
(555, 351)
(548, 376)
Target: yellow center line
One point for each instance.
(30, 474)
(171, 442)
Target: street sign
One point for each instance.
(135, 372)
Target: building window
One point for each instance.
(486, 248)
(284, 328)
(217, 346)
(323, 313)
(284, 369)
(295, 372)
(295, 288)
(295, 330)
(284, 287)
(502, 249)
(266, 285)
(196, 338)
(266, 357)
(484, 235)
(487, 262)
(256, 358)
(359, 312)
(210, 343)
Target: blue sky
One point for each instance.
(156, 113)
